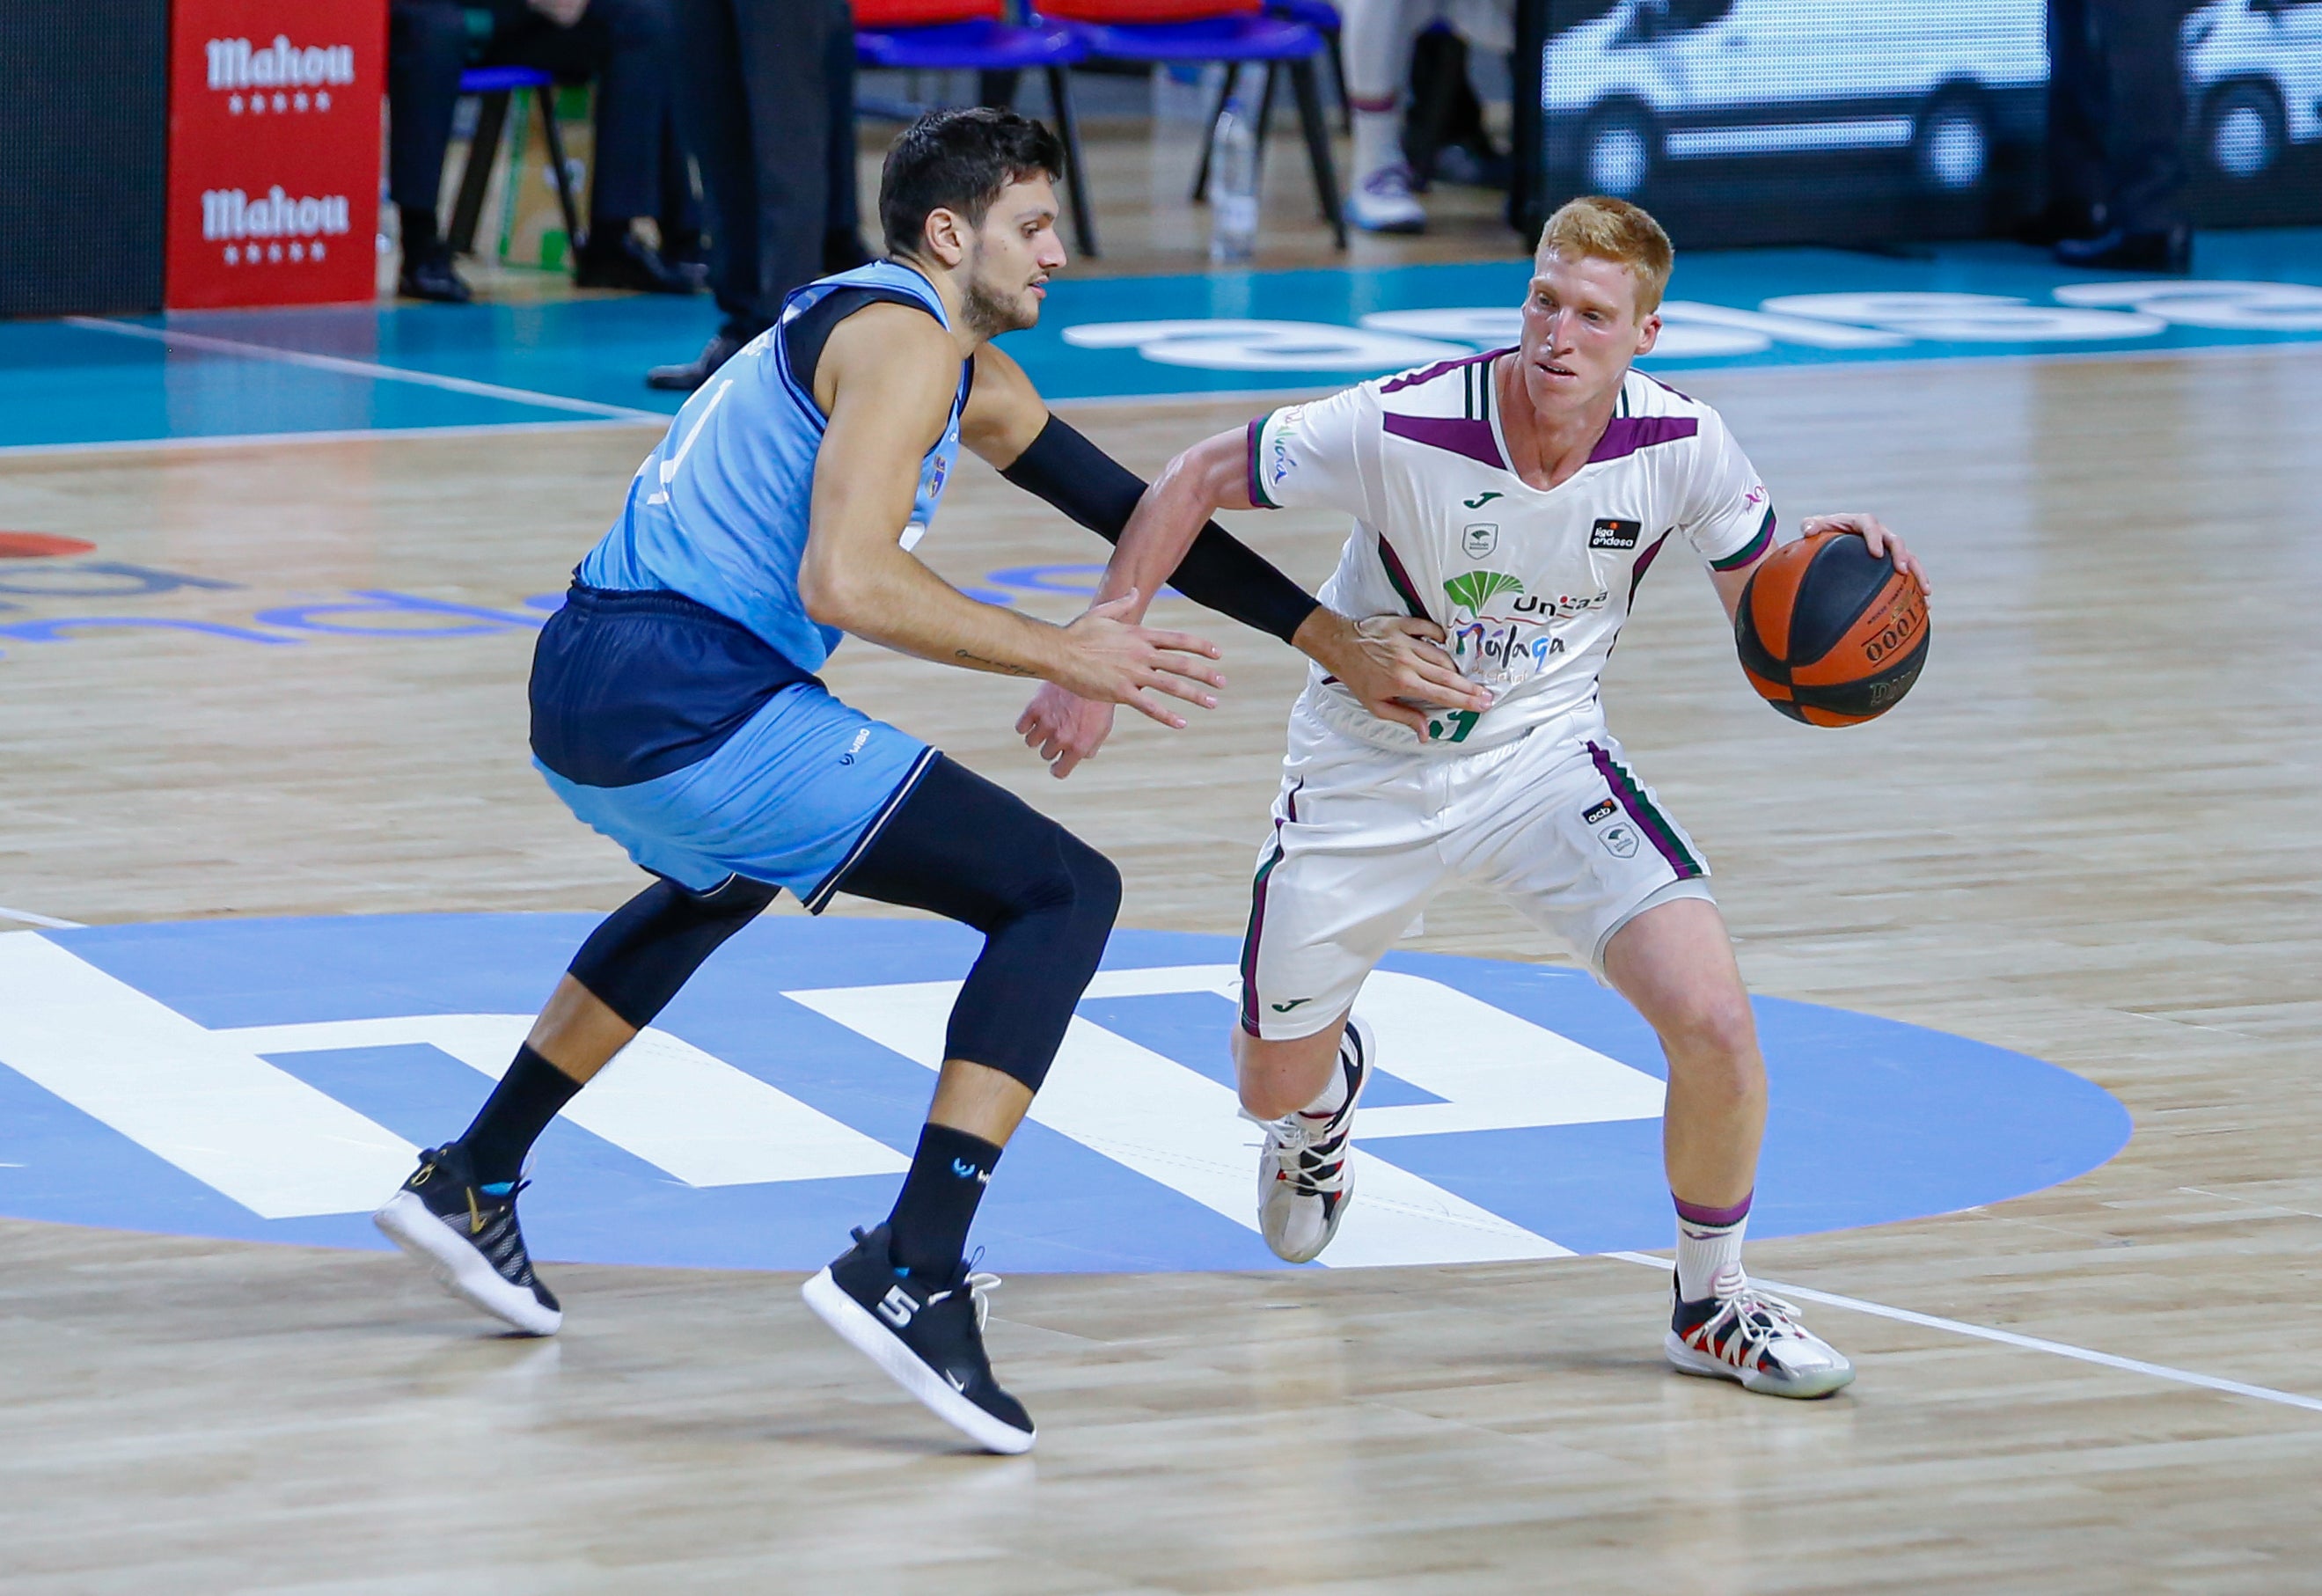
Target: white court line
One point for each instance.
(483, 429)
(202, 341)
(2062, 1349)
(30, 918)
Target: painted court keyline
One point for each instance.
(2062, 1349)
(45, 922)
(343, 367)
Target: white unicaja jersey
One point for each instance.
(1531, 585)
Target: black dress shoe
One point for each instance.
(2119, 250)
(684, 379)
(616, 258)
(2053, 223)
(427, 274)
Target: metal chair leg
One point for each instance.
(1339, 82)
(1209, 136)
(1264, 120)
(483, 149)
(1060, 92)
(1318, 146)
(563, 173)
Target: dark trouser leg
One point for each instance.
(758, 120)
(427, 48)
(1044, 901)
(2144, 128)
(842, 206)
(632, 95)
(713, 115)
(2076, 120)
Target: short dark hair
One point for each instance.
(959, 160)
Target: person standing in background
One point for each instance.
(769, 114)
(1376, 38)
(2115, 136)
(626, 45)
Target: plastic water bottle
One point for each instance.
(1233, 186)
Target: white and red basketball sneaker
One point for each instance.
(1740, 1333)
(1305, 1177)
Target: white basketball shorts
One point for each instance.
(1362, 837)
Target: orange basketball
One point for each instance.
(1831, 633)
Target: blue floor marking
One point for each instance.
(68, 386)
(1873, 1121)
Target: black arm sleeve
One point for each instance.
(1220, 572)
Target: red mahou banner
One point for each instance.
(274, 122)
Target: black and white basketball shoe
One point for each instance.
(928, 1339)
(469, 1236)
(1742, 1334)
(1305, 1167)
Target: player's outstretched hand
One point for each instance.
(1396, 665)
(1874, 536)
(1063, 728)
(1108, 658)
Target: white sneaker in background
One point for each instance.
(1382, 202)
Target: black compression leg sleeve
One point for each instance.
(1220, 572)
(1043, 898)
(646, 949)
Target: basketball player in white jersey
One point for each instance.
(1516, 499)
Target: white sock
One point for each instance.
(1702, 1250)
(1378, 142)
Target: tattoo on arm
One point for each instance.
(1002, 666)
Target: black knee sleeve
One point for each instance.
(646, 949)
(1044, 899)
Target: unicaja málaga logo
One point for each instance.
(235, 64)
(232, 214)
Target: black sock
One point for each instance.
(512, 1118)
(929, 1228)
(419, 230)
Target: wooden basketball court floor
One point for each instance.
(2092, 834)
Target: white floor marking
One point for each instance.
(663, 1099)
(30, 918)
(177, 339)
(1495, 1071)
(219, 1112)
(2062, 1349)
(1179, 1127)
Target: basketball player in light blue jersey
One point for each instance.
(675, 709)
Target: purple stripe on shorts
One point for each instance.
(1692, 1213)
(1624, 435)
(1649, 823)
(1471, 438)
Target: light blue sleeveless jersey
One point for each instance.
(718, 511)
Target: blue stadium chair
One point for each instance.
(1232, 32)
(969, 36)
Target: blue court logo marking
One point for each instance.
(271, 1079)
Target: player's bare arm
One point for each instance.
(1872, 531)
(890, 374)
(1391, 663)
